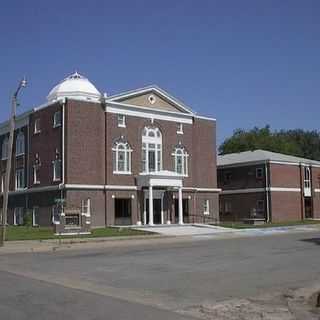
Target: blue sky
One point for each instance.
(244, 63)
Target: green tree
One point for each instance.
(297, 142)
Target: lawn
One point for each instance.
(239, 225)
(42, 233)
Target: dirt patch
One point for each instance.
(298, 304)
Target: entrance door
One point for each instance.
(308, 208)
(122, 211)
(156, 211)
(185, 210)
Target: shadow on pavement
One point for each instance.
(312, 240)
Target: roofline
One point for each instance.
(160, 91)
(167, 112)
(257, 162)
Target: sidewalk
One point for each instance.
(170, 234)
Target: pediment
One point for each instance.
(152, 98)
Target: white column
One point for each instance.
(144, 209)
(150, 206)
(180, 206)
(162, 209)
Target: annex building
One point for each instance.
(138, 157)
(270, 186)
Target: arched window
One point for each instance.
(20, 144)
(307, 177)
(181, 161)
(121, 157)
(151, 150)
(4, 148)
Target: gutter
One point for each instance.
(267, 190)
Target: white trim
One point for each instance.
(205, 118)
(85, 186)
(285, 162)
(284, 189)
(208, 189)
(316, 190)
(149, 113)
(115, 187)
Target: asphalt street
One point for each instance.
(154, 280)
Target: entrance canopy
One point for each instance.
(163, 178)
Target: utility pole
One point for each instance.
(22, 84)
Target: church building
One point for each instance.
(138, 157)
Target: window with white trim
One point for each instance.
(57, 170)
(206, 207)
(180, 128)
(20, 144)
(86, 207)
(121, 158)
(19, 179)
(2, 182)
(36, 126)
(56, 212)
(35, 216)
(57, 119)
(18, 216)
(121, 120)
(307, 177)
(181, 161)
(151, 150)
(36, 175)
(4, 148)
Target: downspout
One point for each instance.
(61, 185)
(267, 183)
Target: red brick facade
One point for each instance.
(279, 195)
(83, 144)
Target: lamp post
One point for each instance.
(22, 84)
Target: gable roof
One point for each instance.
(260, 156)
(152, 89)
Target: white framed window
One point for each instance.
(19, 179)
(2, 182)
(259, 173)
(151, 150)
(36, 128)
(121, 158)
(4, 148)
(35, 216)
(57, 119)
(181, 161)
(57, 170)
(86, 207)
(20, 144)
(18, 216)
(56, 214)
(206, 207)
(36, 174)
(180, 128)
(121, 120)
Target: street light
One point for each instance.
(22, 84)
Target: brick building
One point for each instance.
(140, 157)
(267, 185)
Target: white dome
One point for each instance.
(75, 86)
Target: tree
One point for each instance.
(297, 142)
